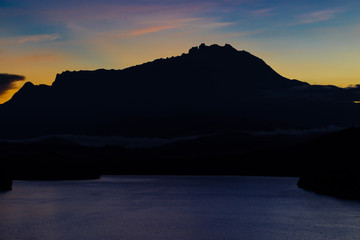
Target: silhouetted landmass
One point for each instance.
(52, 159)
(5, 183)
(326, 162)
(5, 175)
(217, 93)
(208, 90)
(227, 153)
(332, 165)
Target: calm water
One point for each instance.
(174, 207)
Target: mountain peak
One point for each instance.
(212, 48)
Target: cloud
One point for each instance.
(147, 30)
(318, 16)
(265, 12)
(7, 81)
(28, 39)
(163, 25)
(115, 16)
(216, 24)
(38, 38)
(299, 132)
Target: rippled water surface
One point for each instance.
(174, 207)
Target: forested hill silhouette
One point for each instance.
(209, 89)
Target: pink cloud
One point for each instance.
(38, 38)
(163, 25)
(147, 30)
(28, 39)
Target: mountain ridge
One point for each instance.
(214, 86)
(205, 53)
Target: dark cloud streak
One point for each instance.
(7, 81)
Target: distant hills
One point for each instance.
(210, 89)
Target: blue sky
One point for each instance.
(313, 41)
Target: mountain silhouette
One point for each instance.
(209, 89)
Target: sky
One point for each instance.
(312, 41)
